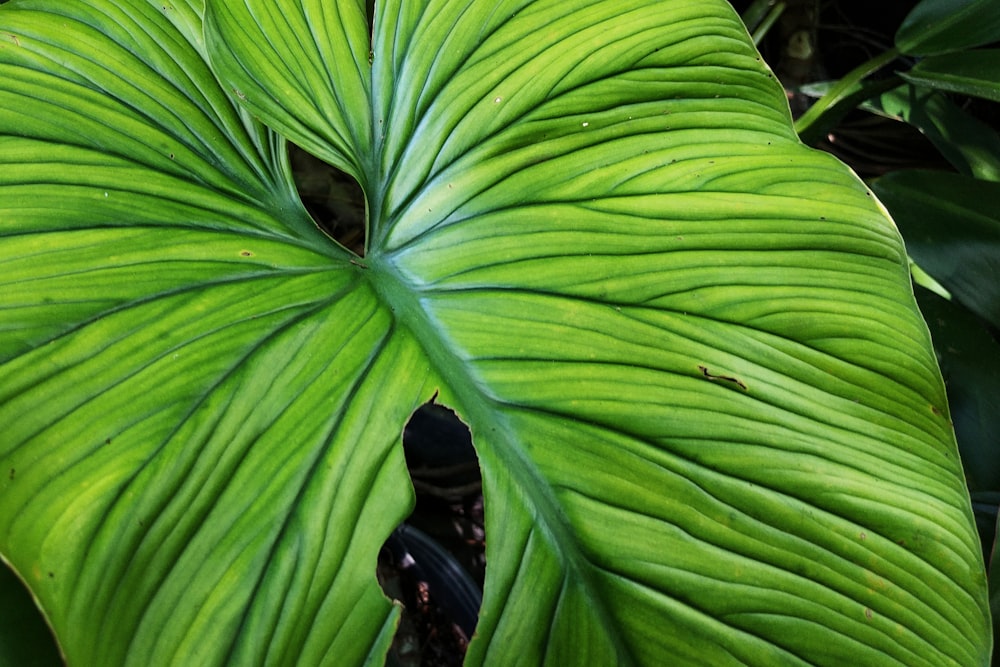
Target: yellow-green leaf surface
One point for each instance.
(709, 420)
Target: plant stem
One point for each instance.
(760, 16)
(765, 25)
(814, 121)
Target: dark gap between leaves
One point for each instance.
(435, 562)
(333, 198)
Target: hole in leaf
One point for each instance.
(435, 562)
(26, 638)
(333, 198)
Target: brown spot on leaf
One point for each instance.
(722, 378)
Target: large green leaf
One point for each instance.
(709, 419)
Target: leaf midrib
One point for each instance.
(478, 410)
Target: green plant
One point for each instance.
(937, 77)
(709, 420)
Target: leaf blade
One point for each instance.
(315, 62)
(975, 73)
(711, 400)
(942, 26)
(146, 266)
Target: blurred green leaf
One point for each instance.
(970, 145)
(940, 26)
(973, 73)
(986, 508)
(927, 281)
(970, 362)
(951, 224)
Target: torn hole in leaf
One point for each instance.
(333, 198)
(26, 637)
(434, 563)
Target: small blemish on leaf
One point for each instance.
(722, 378)
(497, 100)
(246, 253)
(863, 535)
(868, 613)
(14, 38)
(52, 575)
(239, 93)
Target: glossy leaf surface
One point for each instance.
(943, 26)
(709, 419)
(975, 73)
(969, 144)
(952, 230)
